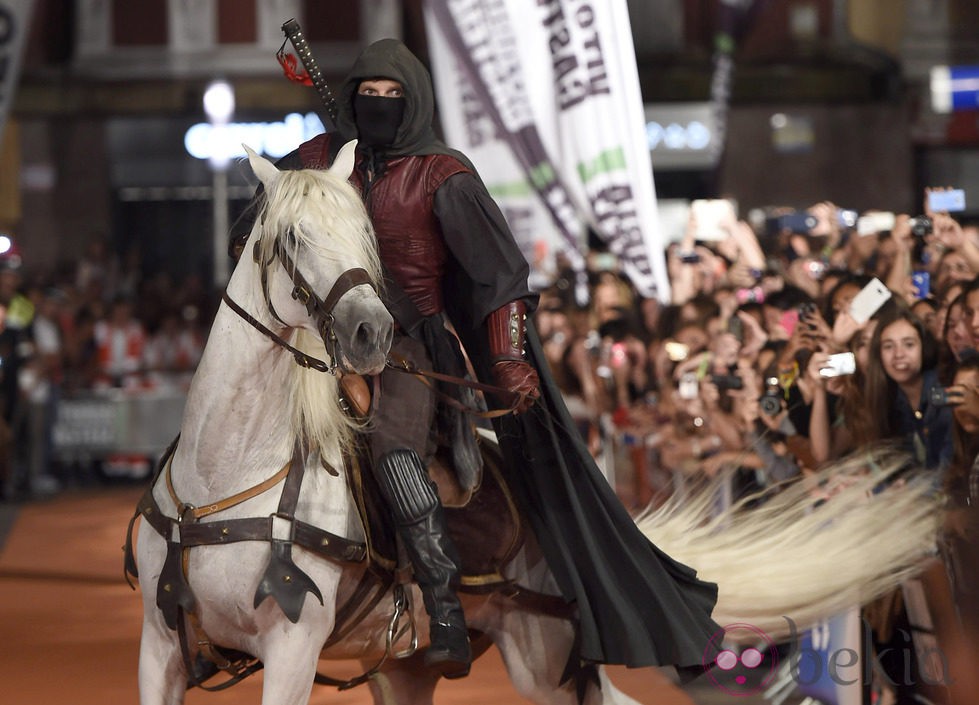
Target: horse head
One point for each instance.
(316, 250)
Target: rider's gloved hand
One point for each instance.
(521, 379)
(507, 327)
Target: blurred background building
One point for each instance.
(107, 138)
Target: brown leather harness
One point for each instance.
(320, 310)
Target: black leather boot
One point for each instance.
(421, 526)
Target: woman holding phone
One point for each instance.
(898, 389)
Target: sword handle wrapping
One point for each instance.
(294, 34)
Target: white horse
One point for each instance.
(247, 405)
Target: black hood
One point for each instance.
(390, 58)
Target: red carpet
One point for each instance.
(69, 624)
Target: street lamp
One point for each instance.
(219, 106)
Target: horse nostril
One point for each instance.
(369, 336)
(364, 337)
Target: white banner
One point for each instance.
(544, 98)
(14, 17)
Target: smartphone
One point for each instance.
(618, 355)
(689, 386)
(846, 218)
(677, 352)
(789, 320)
(839, 364)
(798, 222)
(727, 381)
(947, 201)
(870, 298)
(735, 326)
(922, 283)
(938, 396)
(711, 215)
(875, 222)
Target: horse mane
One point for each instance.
(327, 219)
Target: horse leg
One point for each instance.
(404, 681)
(535, 650)
(162, 677)
(290, 657)
(288, 678)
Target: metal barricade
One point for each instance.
(98, 424)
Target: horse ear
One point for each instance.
(343, 165)
(265, 170)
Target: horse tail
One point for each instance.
(809, 550)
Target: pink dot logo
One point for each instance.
(735, 660)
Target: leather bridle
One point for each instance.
(320, 310)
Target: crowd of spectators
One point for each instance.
(791, 341)
(97, 327)
(741, 370)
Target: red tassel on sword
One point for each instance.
(288, 62)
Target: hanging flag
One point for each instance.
(544, 98)
(14, 16)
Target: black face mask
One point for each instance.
(378, 118)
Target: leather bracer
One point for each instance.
(507, 328)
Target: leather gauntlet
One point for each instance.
(507, 332)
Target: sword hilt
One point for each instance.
(294, 34)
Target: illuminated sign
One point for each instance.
(680, 135)
(954, 88)
(274, 139)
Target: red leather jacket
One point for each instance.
(400, 202)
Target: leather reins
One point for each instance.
(402, 364)
(320, 310)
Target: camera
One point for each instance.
(920, 225)
(816, 268)
(770, 401)
(727, 382)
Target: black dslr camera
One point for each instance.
(920, 226)
(770, 401)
